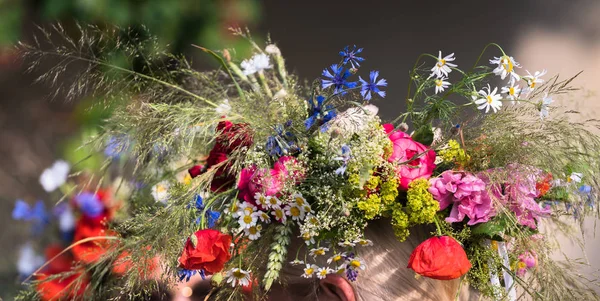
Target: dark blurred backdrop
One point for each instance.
(561, 36)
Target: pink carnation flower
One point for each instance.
(528, 261)
(406, 149)
(269, 182)
(466, 194)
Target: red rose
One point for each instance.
(441, 258)
(209, 251)
(90, 251)
(232, 136)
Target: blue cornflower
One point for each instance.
(282, 143)
(351, 56)
(338, 78)
(187, 274)
(372, 86)
(211, 216)
(345, 157)
(90, 204)
(319, 114)
(37, 215)
(116, 146)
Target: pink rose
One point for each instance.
(269, 182)
(405, 149)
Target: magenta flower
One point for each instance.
(527, 261)
(466, 194)
(266, 181)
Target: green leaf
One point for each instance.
(492, 230)
(424, 135)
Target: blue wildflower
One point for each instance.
(37, 215)
(187, 274)
(351, 56)
(90, 204)
(585, 189)
(283, 143)
(351, 274)
(345, 157)
(372, 86)
(116, 146)
(319, 114)
(338, 78)
(211, 216)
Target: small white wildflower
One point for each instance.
(29, 260)
(364, 242)
(294, 212)
(346, 244)
(258, 62)
(323, 272)
(253, 232)
(309, 270)
(54, 176)
(512, 92)
(506, 66)
(308, 239)
(575, 177)
(237, 276)
(247, 220)
(441, 84)
(442, 67)
(272, 49)
(488, 100)
(356, 264)
(279, 214)
(534, 80)
(299, 199)
(261, 200)
(335, 258)
(262, 216)
(160, 191)
(224, 108)
(273, 202)
(66, 220)
(318, 251)
(297, 262)
(245, 208)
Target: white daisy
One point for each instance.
(295, 212)
(506, 66)
(336, 258)
(160, 191)
(341, 270)
(346, 244)
(318, 251)
(253, 232)
(488, 100)
(245, 208)
(312, 219)
(299, 200)
(54, 176)
(29, 260)
(261, 200)
(322, 272)
(308, 239)
(237, 276)
(297, 262)
(262, 216)
(575, 177)
(279, 214)
(356, 263)
(546, 101)
(364, 242)
(512, 92)
(258, 62)
(442, 67)
(273, 202)
(441, 84)
(309, 270)
(247, 220)
(233, 209)
(534, 80)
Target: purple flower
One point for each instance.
(90, 204)
(350, 55)
(372, 86)
(466, 194)
(338, 78)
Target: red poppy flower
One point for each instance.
(61, 263)
(544, 186)
(124, 262)
(441, 258)
(90, 251)
(69, 288)
(208, 251)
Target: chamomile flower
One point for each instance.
(356, 263)
(506, 67)
(160, 191)
(262, 216)
(546, 101)
(441, 84)
(575, 177)
(311, 219)
(253, 232)
(307, 209)
(323, 272)
(296, 262)
(273, 202)
(318, 251)
(512, 92)
(489, 99)
(245, 208)
(299, 200)
(442, 67)
(309, 270)
(346, 244)
(233, 209)
(534, 80)
(308, 239)
(237, 276)
(255, 64)
(55, 175)
(294, 212)
(279, 214)
(247, 220)
(364, 242)
(261, 200)
(336, 258)
(341, 270)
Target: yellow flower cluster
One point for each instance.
(374, 203)
(400, 222)
(421, 207)
(454, 153)
(371, 206)
(389, 191)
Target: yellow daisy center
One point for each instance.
(279, 214)
(489, 99)
(307, 209)
(320, 252)
(507, 64)
(511, 91)
(247, 219)
(441, 62)
(160, 188)
(323, 273)
(309, 271)
(521, 265)
(238, 274)
(299, 201)
(295, 211)
(336, 258)
(438, 82)
(262, 200)
(306, 236)
(253, 230)
(355, 263)
(248, 210)
(363, 242)
(273, 201)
